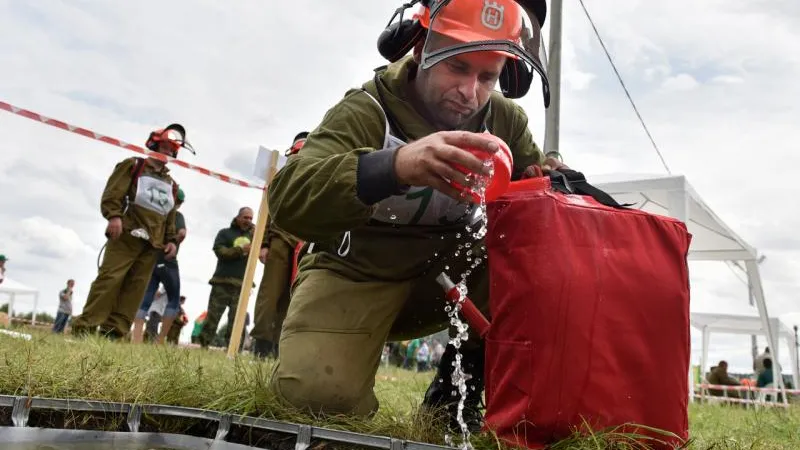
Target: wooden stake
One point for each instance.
(252, 260)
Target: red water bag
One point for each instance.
(589, 319)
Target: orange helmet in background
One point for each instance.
(173, 134)
(453, 27)
(298, 143)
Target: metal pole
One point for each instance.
(753, 340)
(796, 357)
(553, 113)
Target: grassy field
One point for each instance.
(55, 367)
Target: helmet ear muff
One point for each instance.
(159, 135)
(515, 79)
(152, 140)
(399, 38)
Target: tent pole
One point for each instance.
(753, 340)
(755, 278)
(796, 369)
(704, 355)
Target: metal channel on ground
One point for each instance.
(304, 433)
(51, 438)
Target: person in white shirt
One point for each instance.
(155, 314)
(64, 307)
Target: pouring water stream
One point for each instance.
(459, 377)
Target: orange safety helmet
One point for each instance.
(174, 134)
(457, 19)
(453, 27)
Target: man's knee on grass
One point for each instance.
(319, 393)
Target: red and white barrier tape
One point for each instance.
(116, 142)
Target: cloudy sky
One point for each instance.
(714, 80)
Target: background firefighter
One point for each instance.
(232, 245)
(371, 190)
(139, 204)
(272, 302)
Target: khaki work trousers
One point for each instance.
(336, 328)
(118, 290)
(272, 301)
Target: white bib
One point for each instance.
(154, 194)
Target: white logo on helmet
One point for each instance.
(492, 15)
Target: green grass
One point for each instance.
(51, 366)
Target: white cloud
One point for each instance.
(680, 82)
(43, 237)
(727, 79)
(242, 74)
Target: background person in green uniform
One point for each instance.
(198, 327)
(232, 245)
(139, 204)
(166, 272)
(3, 260)
(272, 302)
(369, 194)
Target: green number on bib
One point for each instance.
(425, 195)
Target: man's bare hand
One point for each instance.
(553, 164)
(114, 228)
(430, 161)
(246, 249)
(170, 250)
(262, 256)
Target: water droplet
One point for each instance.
(393, 217)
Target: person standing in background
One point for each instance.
(139, 204)
(272, 301)
(167, 274)
(64, 307)
(3, 260)
(198, 327)
(232, 246)
(180, 321)
(154, 315)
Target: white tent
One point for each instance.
(712, 240)
(13, 289)
(710, 323)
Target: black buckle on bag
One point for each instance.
(571, 182)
